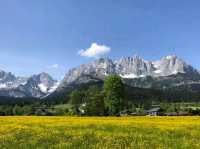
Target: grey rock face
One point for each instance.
(133, 67)
(8, 80)
(130, 67)
(39, 85)
(99, 68)
(167, 72)
(34, 86)
(169, 65)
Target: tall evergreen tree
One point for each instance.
(114, 94)
(76, 98)
(94, 102)
(17, 110)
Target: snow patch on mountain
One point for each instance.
(129, 76)
(3, 86)
(43, 88)
(53, 88)
(132, 76)
(158, 71)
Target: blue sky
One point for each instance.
(47, 35)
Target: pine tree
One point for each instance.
(114, 94)
(94, 102)
(76, 99)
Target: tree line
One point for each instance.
(106, 98)
(98, 102)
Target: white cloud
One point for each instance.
(54, 66)
(95, 50)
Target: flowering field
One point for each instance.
(99, 132)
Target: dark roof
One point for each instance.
(153, 110)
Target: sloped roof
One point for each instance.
(153, 110)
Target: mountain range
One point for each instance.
(168, 72)
(34, 86)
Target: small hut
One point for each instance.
(153, 111)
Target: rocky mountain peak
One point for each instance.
(40, 84)
(9, 80)
(169, 65)
(34, 86)
(129, 67)
(171, 57)
(133, 67)
(45, 79)
(137, 57)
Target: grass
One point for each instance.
(63, 106)
(99, 133)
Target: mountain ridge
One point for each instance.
(130, 68)
(34, 86)
(168, 72)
